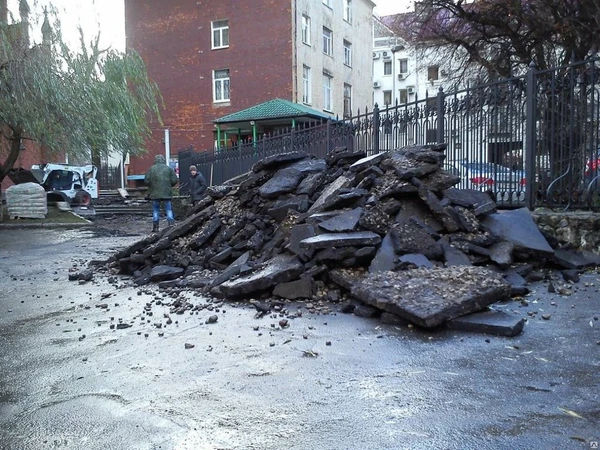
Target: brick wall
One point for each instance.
(174, 39)
(31, 154)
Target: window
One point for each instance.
(387, 98)
(403, 95)
(220, 34)
(387, 68)
(347, 53)
(327, 92)
(306, 29)
(347, 100)
(348, 11)
(306, 94)
(403, 63)
(221, 85)
(327, 38)
(433, 73)
(327, 3)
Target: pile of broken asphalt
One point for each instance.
(386, 234)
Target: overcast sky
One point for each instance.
(107, 17)
(387, 7)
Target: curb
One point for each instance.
(9, 226)
(43, 224)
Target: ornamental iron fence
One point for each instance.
(531, 140)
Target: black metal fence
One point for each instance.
(109, 177)
(530, 141)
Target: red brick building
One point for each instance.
(213, 58)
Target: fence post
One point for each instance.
(349, 130)
(530, 141)
(439, 136)
(376, 129)
(240, 155)
(328, 137)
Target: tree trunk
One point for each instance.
(3, 11)
(9, 162)
(13, 155)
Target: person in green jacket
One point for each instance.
(160, 180)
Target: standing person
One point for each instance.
(197, 185)
(160, 180)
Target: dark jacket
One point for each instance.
(197, 187)
(160, 180)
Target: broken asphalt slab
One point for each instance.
(281, 269)
(429, 297)
(518, 227)
(494, 322)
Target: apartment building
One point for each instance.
(404, 68)
(213, 58)
(409, 67)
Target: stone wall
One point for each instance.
(579, 230)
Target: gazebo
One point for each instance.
(252, 123)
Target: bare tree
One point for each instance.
(503, 37)
(493, 40)
(79, 103)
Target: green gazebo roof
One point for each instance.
(273, 109)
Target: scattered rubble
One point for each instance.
(386, 233)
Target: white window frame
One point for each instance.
(347, 53)
(433, 73)
(403, 62)
(402, 96)
(348, 11)
(305, 29)
(327, 41)
(306, 85)
(387, 68)
(327, 100)
(221, 84)
(347, 100)
(387, 101)
(222, 32)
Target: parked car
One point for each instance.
(506, 186)
(591, 170)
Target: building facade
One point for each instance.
(405, 69)
(211, 59)
(409, 67)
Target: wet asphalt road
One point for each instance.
(68, 381)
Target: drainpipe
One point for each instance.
(167, 146)
(253, 123)
(394, 99)
(122, 171)
(395, 49)
(295, 95)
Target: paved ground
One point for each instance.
(69, 381)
